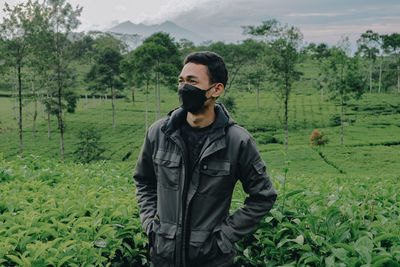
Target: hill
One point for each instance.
(144, 31)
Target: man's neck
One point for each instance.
(202, 119)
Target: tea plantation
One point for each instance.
(337, 205)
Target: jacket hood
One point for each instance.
(175, 118)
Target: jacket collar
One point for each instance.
(175, 119)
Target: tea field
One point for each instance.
(54, 214)
(337, 205)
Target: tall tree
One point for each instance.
(236, 56)
(391, 45)
(105, 74)
(345, 78)
(63, 19)
(166, 63)
(281, 57)
(368, 47)
(16, 30)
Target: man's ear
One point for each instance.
(219, 89)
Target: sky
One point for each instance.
(221, 20)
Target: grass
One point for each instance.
(372, 131)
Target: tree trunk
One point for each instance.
(86, 100)
(370, 78)
(49, 116)
(398, 79)
(248, 85)
(342, 119)
(48, 126)
(147, 105)
(35, 112)
(133, 94)
(16, 101)
(155, 98)
(258, 97)
(113, 104)
(20, 109)
(380, 76)
(286, 121)
(41, 101)
(60, 118)
(159, 100)
(322, 93)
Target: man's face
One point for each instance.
(196, 75)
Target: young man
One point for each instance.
(187, 170)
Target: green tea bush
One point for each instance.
(55, 214)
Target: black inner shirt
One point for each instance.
(194, 139)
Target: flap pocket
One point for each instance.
(260, 166)
(216, 168)
(167, 159)
(164, 229)
(197, 238)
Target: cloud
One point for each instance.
(315, 14)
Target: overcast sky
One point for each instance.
(319, 20)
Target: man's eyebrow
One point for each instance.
(188, 77)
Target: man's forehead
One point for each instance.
(193, 70)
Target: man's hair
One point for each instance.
(215, 65)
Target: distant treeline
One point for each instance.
(42, 58)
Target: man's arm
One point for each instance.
(146, 186)
(262, 195)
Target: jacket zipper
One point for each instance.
(180, 253)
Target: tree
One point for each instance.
(18, 27)
(105, 74)
(236, 56)
(281, 57)
(346, 80)
(62, 19)
(166, 63)
(368, 47)
(391, 45)
(157, 59)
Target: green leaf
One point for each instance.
(299, 240)
(100, 243)
(387, 236)
(295, 192)
(340, 254)
(346, 247)
(64, 260)
(16, 259)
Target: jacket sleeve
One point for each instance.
(256, 183)
(146, 186)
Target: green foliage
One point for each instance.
(328, 222)
(229, 103)
(89, 146)
(68, 215)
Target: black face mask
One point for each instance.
(192, 98)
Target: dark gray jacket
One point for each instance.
(188, 220)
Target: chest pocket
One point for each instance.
(167, 167)
(214, 178)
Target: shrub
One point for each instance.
(318, 138)
(89, 147)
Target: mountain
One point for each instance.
(144, 31)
